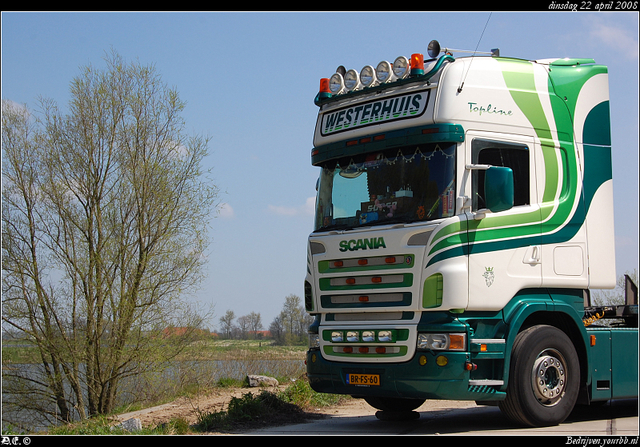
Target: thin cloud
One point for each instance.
(307, 209)
(226, 211)
(614, 36)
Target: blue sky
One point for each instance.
(249, 80)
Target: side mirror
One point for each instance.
(498, 188)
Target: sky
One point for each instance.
(249, 80)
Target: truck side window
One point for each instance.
(514, 156)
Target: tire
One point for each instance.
(544, 378)
(394, 404)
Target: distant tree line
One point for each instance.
(288, 328)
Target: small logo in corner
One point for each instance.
(488, 276)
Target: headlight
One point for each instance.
(314, 341)
(368, 76)
(442, 342)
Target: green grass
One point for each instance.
(267, 408)
(253, 410)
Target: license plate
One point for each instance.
(363, 379)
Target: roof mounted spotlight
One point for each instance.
(336, 84)
(368, 76)
(401, 67)
(352, 80)
(384, 72)
(433, 49)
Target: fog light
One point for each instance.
(441, 360)
(352, 336)
(337, 337)
(422, 360)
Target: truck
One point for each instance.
(464, 214)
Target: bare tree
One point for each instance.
(277, 330)
(614, 297)
(105, 216)
(226, 322)
(254, 321)
(293, 321)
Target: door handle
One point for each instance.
(534, 259)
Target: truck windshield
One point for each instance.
(409, 184)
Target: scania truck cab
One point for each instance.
(464, 212)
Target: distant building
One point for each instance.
(182, 331)
(260, 335)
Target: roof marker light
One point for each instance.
(417, 64)
(401, 67)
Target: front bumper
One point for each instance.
(417, 378)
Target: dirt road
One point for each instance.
(463, 418)
(356, 417)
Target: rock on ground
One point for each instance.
(257, 380)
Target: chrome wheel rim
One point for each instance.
(549, 377)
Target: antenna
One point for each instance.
(478, 44)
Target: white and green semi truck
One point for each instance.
(464, 212)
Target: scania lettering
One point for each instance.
(363, 244)
(464, 213)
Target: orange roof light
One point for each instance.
(417, 64)
(325, 92)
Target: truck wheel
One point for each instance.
(394, 404)
(544, 377)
